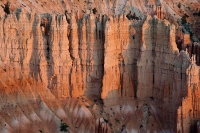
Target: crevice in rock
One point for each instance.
(154, 39)
(70, 43)
(68, 16)
(179, 43)
(70, 84)
(45, 27)
(103, 24)
(81, 24)
(34, 54)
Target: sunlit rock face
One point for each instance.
(99, 66)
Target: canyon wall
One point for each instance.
(95, 72)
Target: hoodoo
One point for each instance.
(99, 66)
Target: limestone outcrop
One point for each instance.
(87, 64)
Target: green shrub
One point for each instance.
(64, 127)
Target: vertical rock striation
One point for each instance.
(118, 74)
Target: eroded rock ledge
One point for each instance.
(97, 73)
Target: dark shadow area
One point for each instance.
(193, 128)
(179, 43)
(7, 8)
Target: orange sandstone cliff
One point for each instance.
(119, 66)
